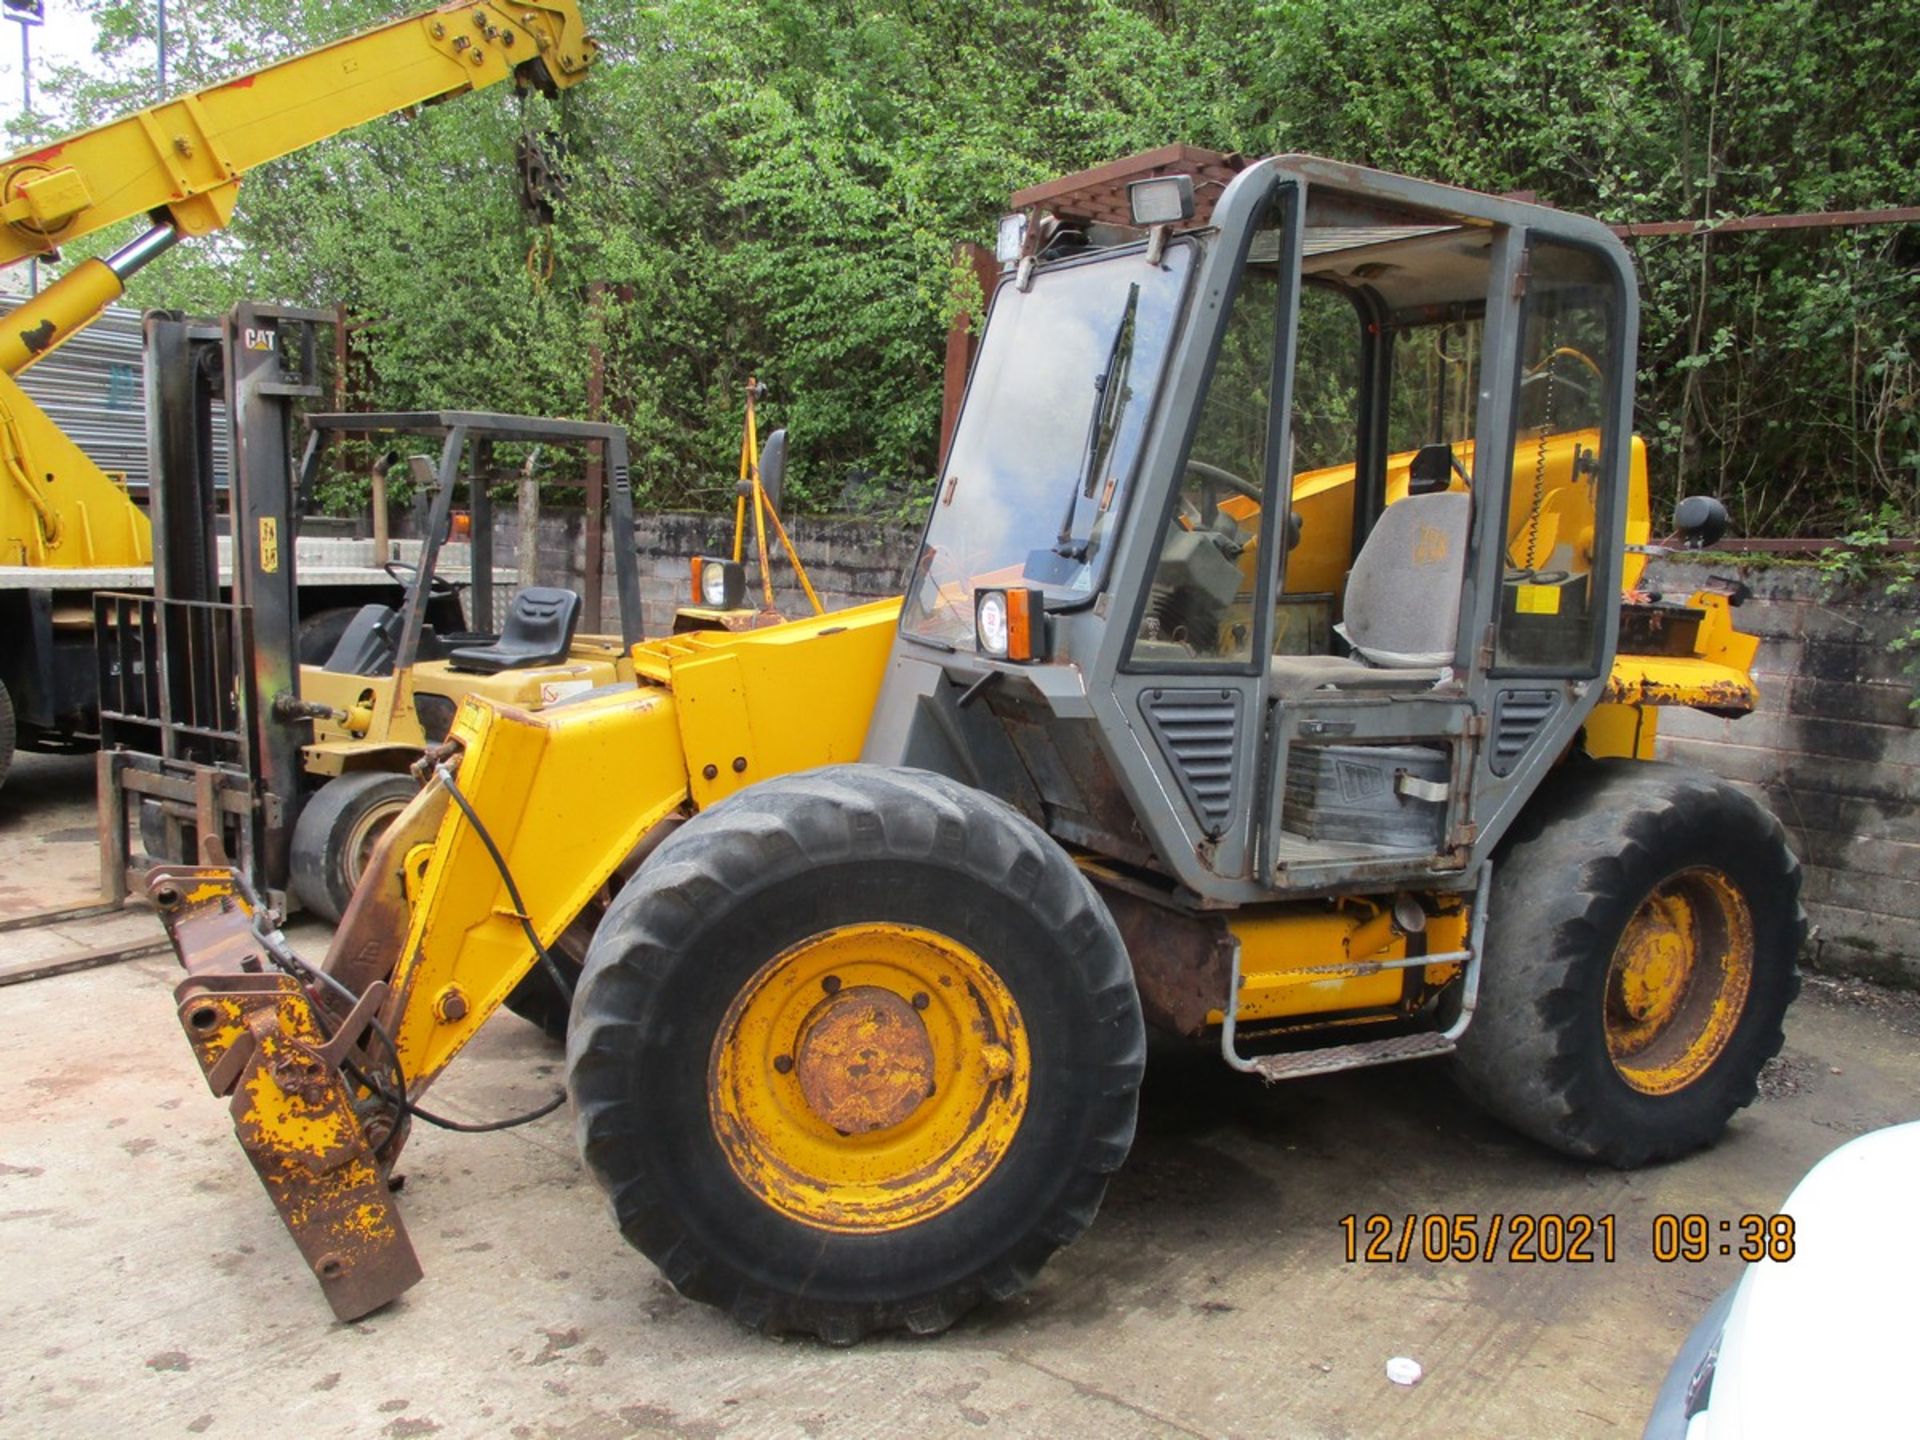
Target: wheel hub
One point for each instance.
(864, 1061)
(1655, 971)
(1678, 982)
(869, 1077)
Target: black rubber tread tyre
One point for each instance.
(324, 849)
(9, 733)
(789, 859)
(1593, 845)
(320, 633)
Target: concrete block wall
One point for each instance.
(1834, 751)
(849, 560)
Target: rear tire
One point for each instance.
(1643, 934)
(829, 1208)
(335, 835)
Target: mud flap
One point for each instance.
(315, 1137)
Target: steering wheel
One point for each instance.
(1541, 371)
(411, 578)
(1226, 479)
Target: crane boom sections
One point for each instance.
(181, 161)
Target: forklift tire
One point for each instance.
(855, 1050)
(336, 832)
(1643, 933)
(9, 733)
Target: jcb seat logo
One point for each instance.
(1429, 545)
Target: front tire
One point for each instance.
(855, 1050)
(1643, 934)
(336, 833)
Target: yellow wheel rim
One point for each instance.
(869, 1077)
(1679, 980)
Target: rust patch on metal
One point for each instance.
(374, 926)
(1182, 963)
(864, 1061)
(1730, 698)
(320, 1144)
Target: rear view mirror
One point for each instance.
(1700, 521)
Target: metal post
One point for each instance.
(626, 557)
(261, 393)
(480, 534)
(596, 460)
(446, 481)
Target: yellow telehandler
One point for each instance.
(1271, 674)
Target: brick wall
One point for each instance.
(1834, 750)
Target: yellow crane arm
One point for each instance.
(180, 162)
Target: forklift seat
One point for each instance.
(539, 629)
(1403, 601)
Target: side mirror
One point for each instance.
(773, 466)
(1431, 469)
(1700, 521)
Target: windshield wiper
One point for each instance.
(1109, 395)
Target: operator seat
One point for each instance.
(539, 629)
(1402, 604)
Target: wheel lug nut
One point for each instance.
(920, 1000)
(830, 984)
(783, 1063)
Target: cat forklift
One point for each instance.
(216, 737)
(1274, 673)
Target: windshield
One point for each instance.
(1049, 438)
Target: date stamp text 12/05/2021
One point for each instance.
(1528, 1239)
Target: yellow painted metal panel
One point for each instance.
(566, 794)
(1624, 731)
(58, 508)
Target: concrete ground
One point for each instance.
(149, 1289)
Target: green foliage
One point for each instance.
(773, 187)
(1867, 559)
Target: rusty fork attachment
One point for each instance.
(303, 1067)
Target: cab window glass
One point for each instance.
(1567, 356)
(1208, 570)
(1436, 386)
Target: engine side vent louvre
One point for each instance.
(1199, 734)
(1518, 716)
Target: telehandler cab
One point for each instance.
(857, 1045)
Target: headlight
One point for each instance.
(1010, 624)
(1163, 200)
(990, 622)
(719, 584)
(1011, 238)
